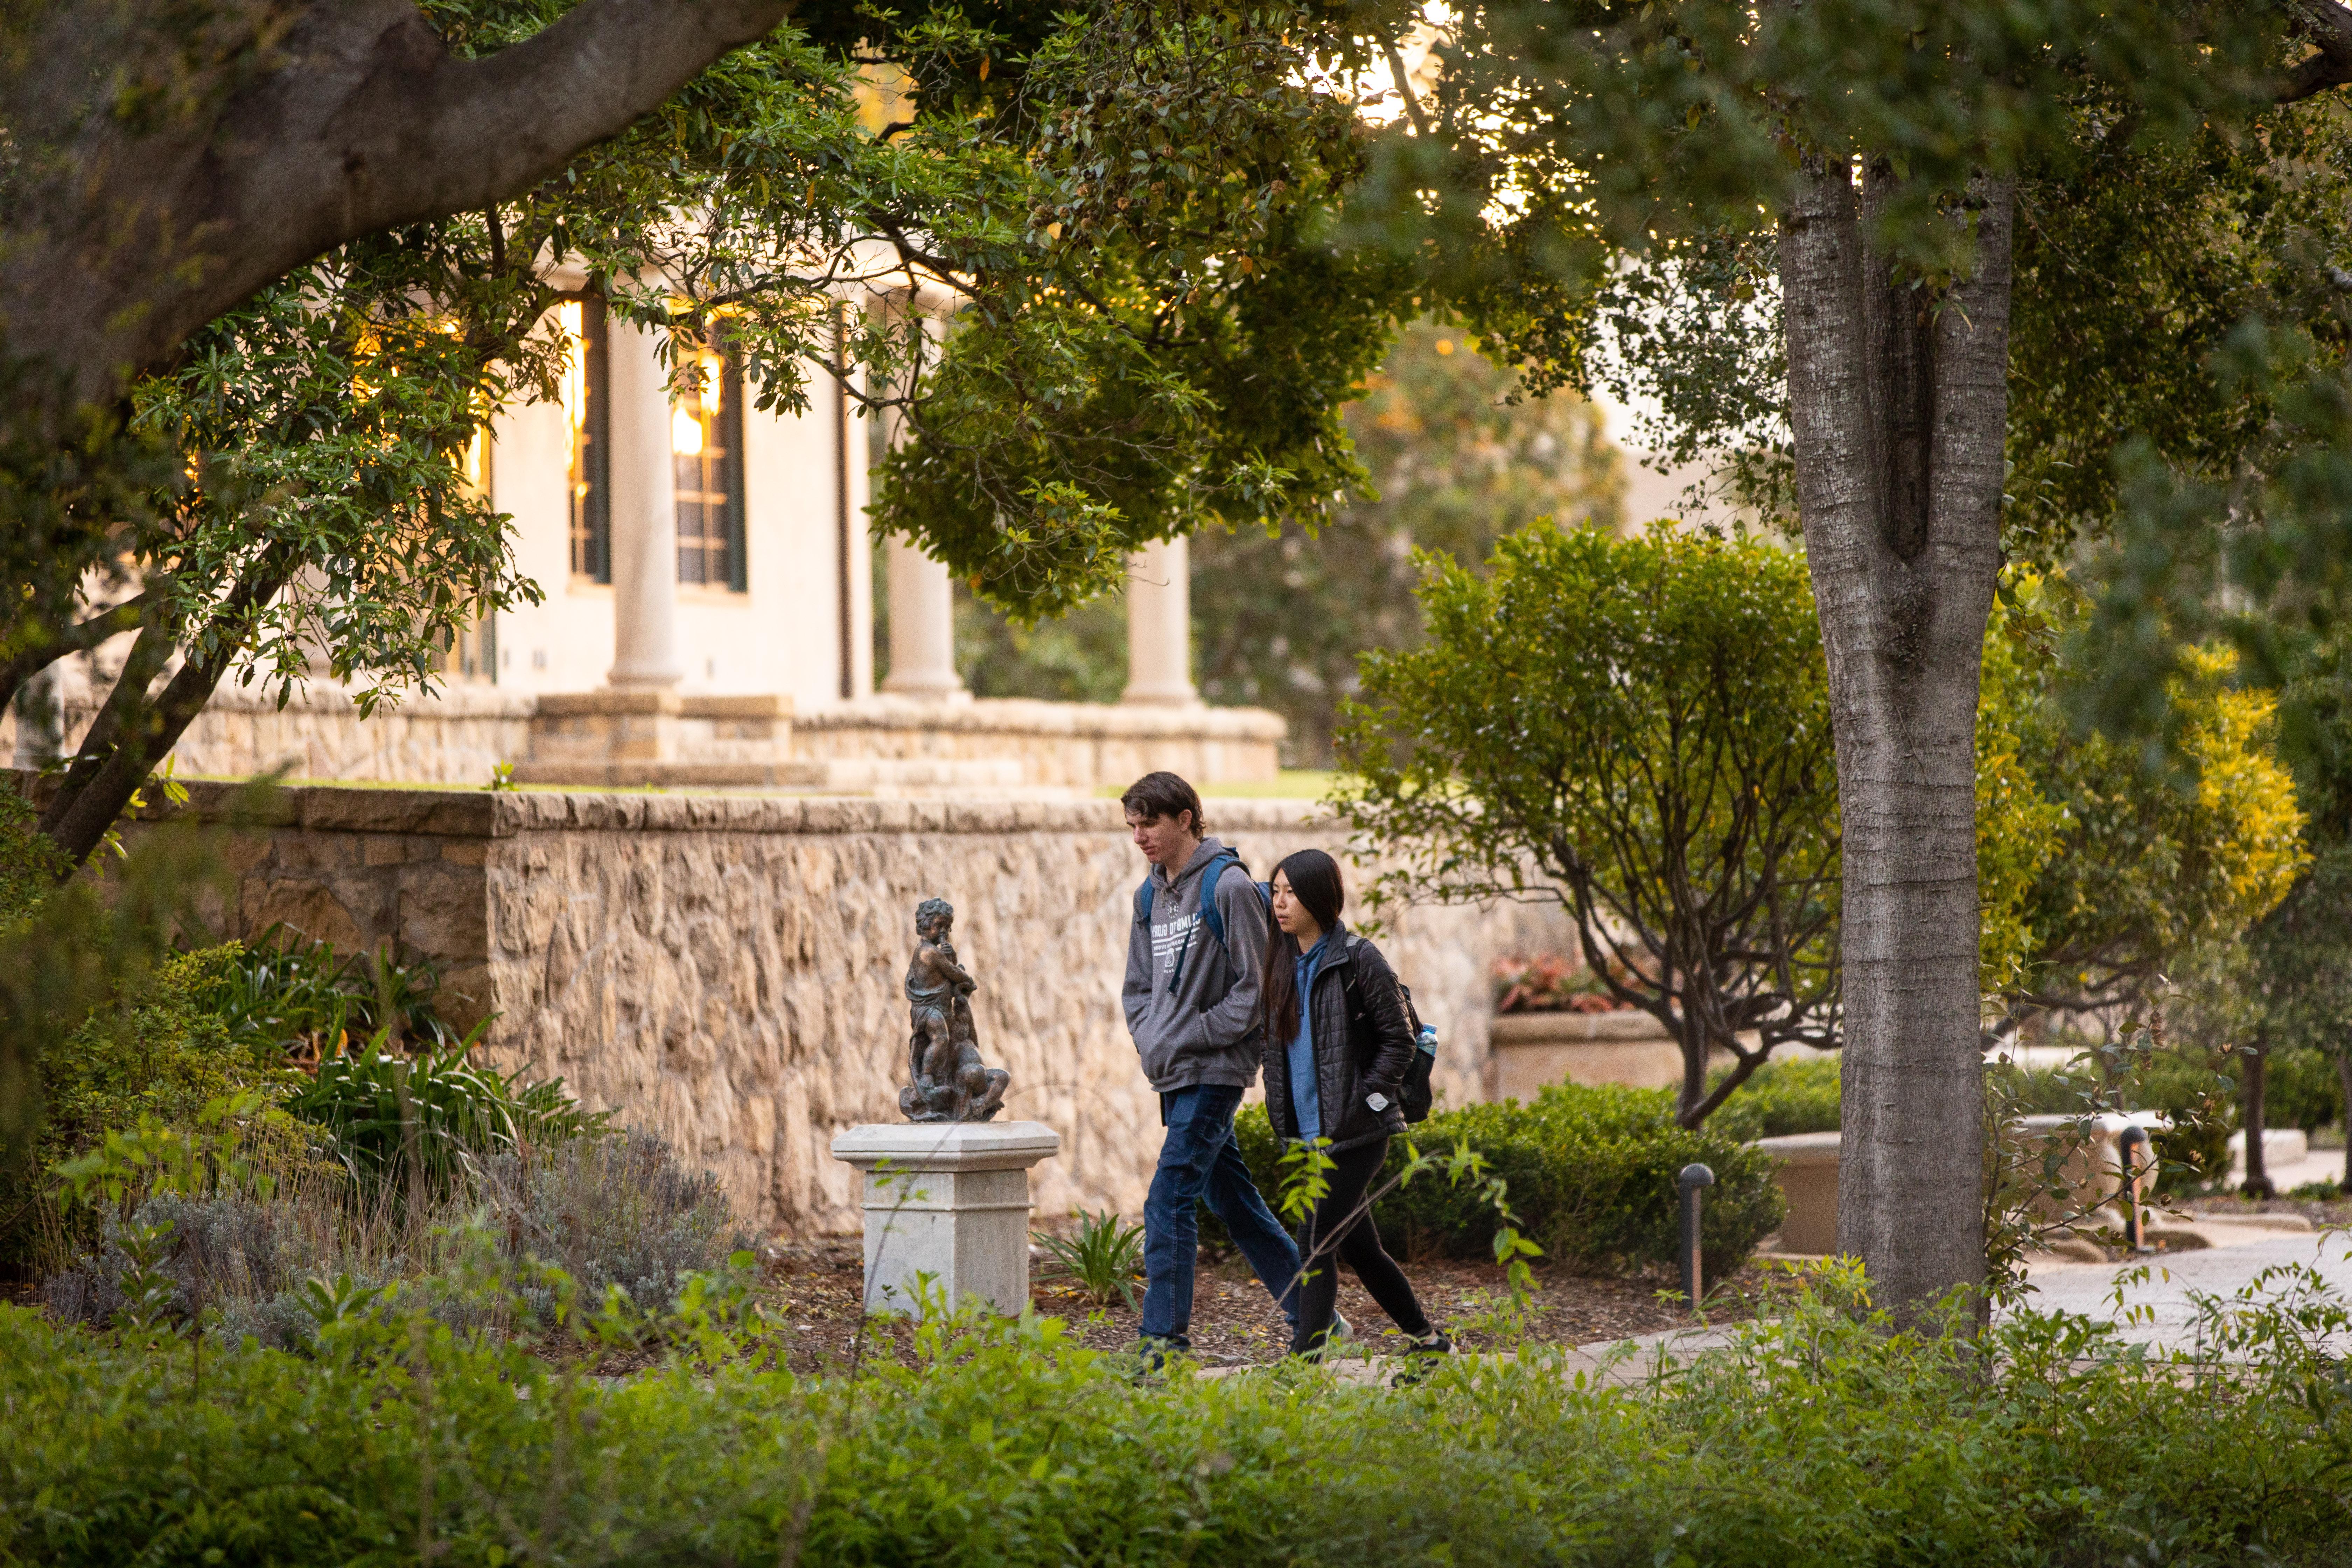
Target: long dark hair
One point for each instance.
(1314, 878)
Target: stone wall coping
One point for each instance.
(1575, 1028)
(449, 698)
(1802, 1148)
(504, 813)
(642, 700)
(918, 1146)
(752, 705)
(1028, 716)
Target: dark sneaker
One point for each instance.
(1420, 1359)
(1151, 1356)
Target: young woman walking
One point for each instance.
(1337, 1047)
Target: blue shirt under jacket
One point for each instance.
(1305, 1100)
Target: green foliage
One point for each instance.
(2302, 1089)
(398, 1121)
(1793, 1094)
(156, 1054)
(2102, 873)
(1103, 1259)
(1079, 656)
(1822, 1436)
(1280, 618)
(2195, 1087)
(300, 994)
(30, 865)
(67, 952)
(1638, 730)
(1589, 1171)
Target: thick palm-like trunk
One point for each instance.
(1898, 397)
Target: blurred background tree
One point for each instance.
(1279, 619)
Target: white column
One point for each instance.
(922, 619)
(644, 514)
(1160, 625)
(857, 488)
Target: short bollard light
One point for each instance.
(2132, 1139)
(1690, 1181)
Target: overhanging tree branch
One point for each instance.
(79, 637)
(359, 118)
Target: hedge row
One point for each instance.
(1815, 1439)
(1590, 1173)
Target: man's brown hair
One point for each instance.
(1155, 796)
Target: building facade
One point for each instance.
(707, 618)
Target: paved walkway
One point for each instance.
(2221, 1259)
(2240, 1255)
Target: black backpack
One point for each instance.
(1415, 1097)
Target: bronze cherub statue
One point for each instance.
(951, 1082)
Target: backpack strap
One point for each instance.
(1211, 875)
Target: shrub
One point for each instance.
(2301, 1088)
(609, 1211)
(1798, 1094)
(1813, 1438)
(378, 1110)
(1591, 1177)
(615, 1211)
(157, 1052)
(1103, 1261)
(300, 994)
(1637, 728)
(226, 1255)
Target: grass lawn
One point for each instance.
(1293, 784)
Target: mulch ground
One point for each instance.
(816, 1285)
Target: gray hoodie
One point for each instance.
(1199, 1027)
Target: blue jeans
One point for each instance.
(1201, 1162)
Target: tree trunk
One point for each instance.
(2253, 1081)
(1898, 400)
(133, 732)
(2344, 1079)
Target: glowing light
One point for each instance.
(573, 388)
(685, 433)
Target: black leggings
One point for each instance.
(1330, 1230)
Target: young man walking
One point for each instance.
(1195, 959)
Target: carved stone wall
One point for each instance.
(728, 969)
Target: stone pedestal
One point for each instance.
(949, 1200)
(623, 738)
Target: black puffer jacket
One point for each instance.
(1363, 1045)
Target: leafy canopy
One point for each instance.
(1083, 267)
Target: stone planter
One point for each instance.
(1806, 1165)
(1532, 1050)
(2281, 1146)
